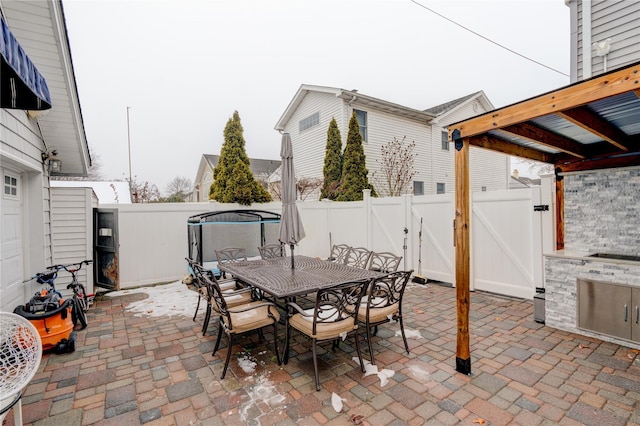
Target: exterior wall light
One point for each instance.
(54, 165)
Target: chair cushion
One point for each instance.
(377, 314)
(332, 330)
(227, 284)
(328, 314)
(236, 299)
(252, 319)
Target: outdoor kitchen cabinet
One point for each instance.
(612, 309)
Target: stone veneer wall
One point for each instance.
(602, 211)
(602, 214)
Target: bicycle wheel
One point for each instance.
(84, 301)
(77, 313)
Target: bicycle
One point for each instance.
(81, 300)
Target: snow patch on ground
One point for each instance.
(411, 334)
(262, 392)
(163, 300)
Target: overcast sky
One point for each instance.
(184, 66)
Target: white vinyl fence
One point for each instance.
(507, 235)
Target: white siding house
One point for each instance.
(605, 35)
(260, 168)
(28, 134)
(309, 113)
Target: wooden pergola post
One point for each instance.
(462, 245)
(559, 211)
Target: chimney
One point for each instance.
(516, 174)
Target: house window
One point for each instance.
(445, 140)
(362, 121)
(418, 188)
(310, 121)
(439, 188)
(10, 186)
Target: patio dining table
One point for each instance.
(276, 277)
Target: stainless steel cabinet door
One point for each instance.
(605, 308)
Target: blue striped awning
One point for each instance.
(22, 86)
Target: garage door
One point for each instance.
(11, 292)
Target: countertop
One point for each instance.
(587, 256)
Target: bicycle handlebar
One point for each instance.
(68, 267)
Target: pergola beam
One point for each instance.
(591, 122)
(496, 144)
(611, 84)
(626, 160)
(545, 137)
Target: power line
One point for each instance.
(489, 40)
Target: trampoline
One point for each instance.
(211, 231)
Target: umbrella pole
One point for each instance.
(291, 246)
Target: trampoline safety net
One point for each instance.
(208, 232)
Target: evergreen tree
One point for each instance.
(233, 181)
(332, 170)
(354, 171)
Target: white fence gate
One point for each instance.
(507, 236)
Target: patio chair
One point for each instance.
(240, 319)
(233, 295)
(384, 262)
(357, 257)
(383, 303)
(271, 251)
(334, 315)
(230, 255)
(225, 284)
(338, 253)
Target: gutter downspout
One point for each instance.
(586, 40)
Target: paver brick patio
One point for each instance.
(130, 370)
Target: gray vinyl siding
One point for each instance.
(72, 228)
(617, 20)
(309, 145)
(620, 22)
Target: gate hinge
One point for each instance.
(541, 208)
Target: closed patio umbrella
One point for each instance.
(291, 229)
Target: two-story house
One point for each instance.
(41, 133)
(309, 113)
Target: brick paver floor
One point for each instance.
(130, 370)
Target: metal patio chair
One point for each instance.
(242, 318)
(357, 257)
(338, 253)
(383, 303)
(384, 262)
(333, 316)
(271, 251)
(232, 294)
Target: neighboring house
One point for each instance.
(261, 170)
(611, 35)
(520, 182)
(37, 73)
(307, 118)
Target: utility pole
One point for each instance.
(129, 143)
(133, 194)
